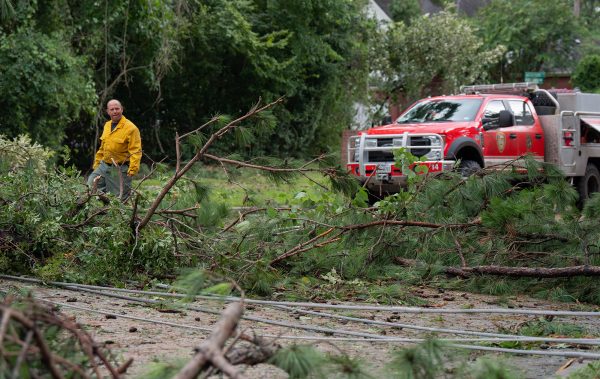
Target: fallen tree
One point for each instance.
(519, 272)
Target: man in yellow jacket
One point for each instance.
(118, 158)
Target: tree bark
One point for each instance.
(211, 350)
(519, 272)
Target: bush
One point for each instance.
(587, 74)
(20, 153)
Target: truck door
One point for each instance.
(500, 144)
(529, 133)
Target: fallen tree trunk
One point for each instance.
(530, 272)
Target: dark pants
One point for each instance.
(110, 181)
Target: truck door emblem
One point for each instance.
(529, 143)
(501, 141)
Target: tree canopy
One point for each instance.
(538, 35)
(175, 64)
(436, 53)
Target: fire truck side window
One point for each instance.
(492, 112)
(521, 111)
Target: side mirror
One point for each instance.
(489, 123)
(505, 119)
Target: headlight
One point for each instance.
(370, 142)
(397, 142)
(435, 141)
(434, 155)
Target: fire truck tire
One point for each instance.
(589, 183)
(468, 167)
(374, 196)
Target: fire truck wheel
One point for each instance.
(374, 196)
(589, 183)
(468, 167)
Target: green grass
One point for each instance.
(244, 187)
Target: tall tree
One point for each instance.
(176, 63)
(587, 74)
(538, 35)
(44, 84)
(312, 52)
(438, 53)
(405, 10)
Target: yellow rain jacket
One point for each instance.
(123, 144)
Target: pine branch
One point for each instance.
(261, 167)
(421, 224)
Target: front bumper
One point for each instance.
(387, 177)
(371, 157)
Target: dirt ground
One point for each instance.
(148, 342)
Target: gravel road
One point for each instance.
(148, 342)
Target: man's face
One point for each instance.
(114, 110)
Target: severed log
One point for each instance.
(531, 272)
(210, 351)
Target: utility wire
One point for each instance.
(315, 338)
(249, 318)
(371, 337)
(583, 341)
(563, 353)
(507, 337)
(328, 306)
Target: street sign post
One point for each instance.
(536, 77)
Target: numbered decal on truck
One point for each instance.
(435, 167)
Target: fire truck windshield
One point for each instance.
(441, 110)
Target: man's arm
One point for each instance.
(135, 152)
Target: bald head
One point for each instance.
(113, 102)
(114, 110)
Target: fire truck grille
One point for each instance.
(385, 142)
(388, 156)
(381, 156)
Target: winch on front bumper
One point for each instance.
(371, 157)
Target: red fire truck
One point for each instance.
(485, 125)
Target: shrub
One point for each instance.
(587, 74)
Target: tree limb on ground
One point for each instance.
(300, 248)
(73, 351)
(530, 272)
(211, 351)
